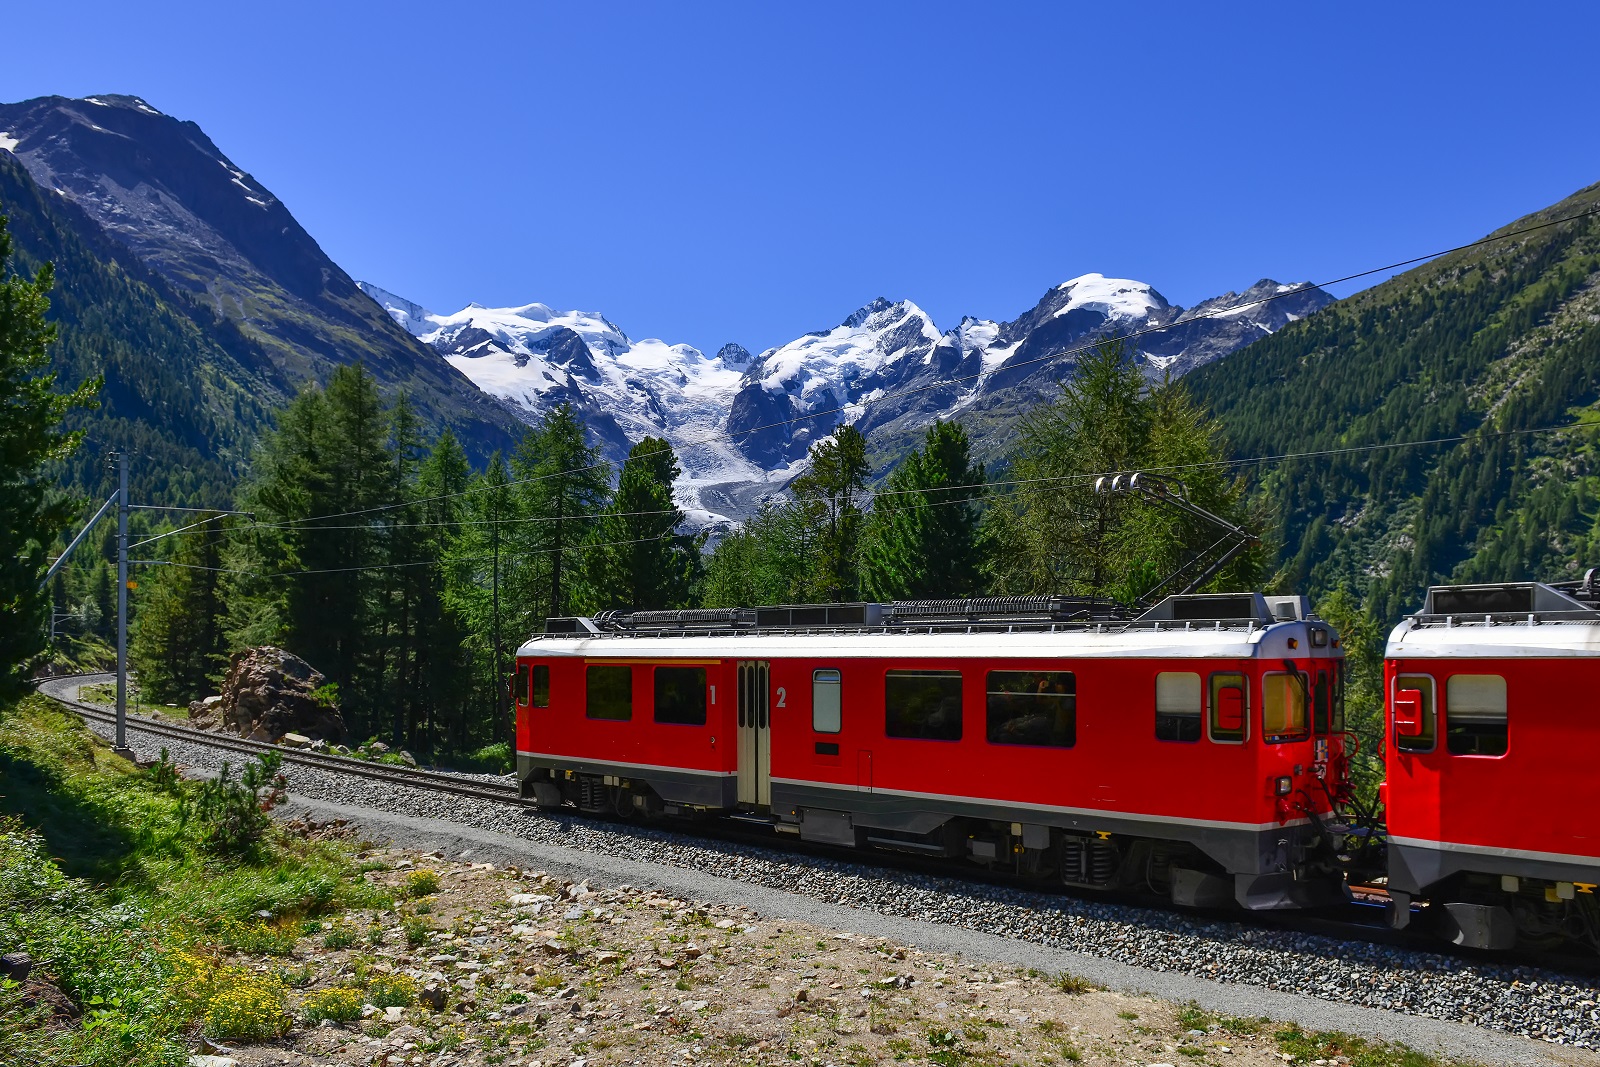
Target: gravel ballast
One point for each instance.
(1529, 1002)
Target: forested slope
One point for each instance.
(1488, 343)
(185, 392)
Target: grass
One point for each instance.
(1326, 1044)
(128, 914)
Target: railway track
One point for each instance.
(1351, 922)
(413, 778)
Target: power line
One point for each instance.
(1218, 313)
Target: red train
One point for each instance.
(1196, 750)
(1493, 804)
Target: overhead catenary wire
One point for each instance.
(942, 383)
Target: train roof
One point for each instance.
(1511, 619)
(1230, 626)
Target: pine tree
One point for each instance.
(1056, 534)
(178, 643)
(565, 488)
(442, 671)
(30, 436)
(836, 480)
(638, 562)
(321, 487)
(922, 538)
(777, 557)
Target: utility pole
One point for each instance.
(121, 746)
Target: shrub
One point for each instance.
(417, 931)
(257, 939)
(341, 936)
(392, 991)
(246, 1007)
(234, 812)
(421, 883)
(341, 1004)
(164, 774)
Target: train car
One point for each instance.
(1196, 751)
(1490, 794)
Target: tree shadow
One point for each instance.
(80, 834)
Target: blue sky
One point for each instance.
(748, 172)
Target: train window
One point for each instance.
(519, 686)
(825, 707)
(541, 685)
(1032, 708)
(681, 696)
(925, 705)
(1475, 715)
(1230, 708)
(1283, 707)
(608, 693)
(1421, 714)
(1177, 706)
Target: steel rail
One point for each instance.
(415, 778)
(1337, 923)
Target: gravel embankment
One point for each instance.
(1531, 1002)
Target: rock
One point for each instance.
(213, 1061)
(724, 924)
(394, 1014)
(434, 996)
(378, 748)
(407, 758)
(294, 740)
(268, 693)
(16, 966)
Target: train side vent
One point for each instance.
(689, 619)
(576, 624)
(805, 616)
(1004, 608)
(1213, 607)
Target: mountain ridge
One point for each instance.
(162, 189)
(743, 423)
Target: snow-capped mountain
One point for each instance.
(742, 425)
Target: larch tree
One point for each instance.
(922, 539)
(178, 643)
(30, 436)
(1056, 534)
(638, 561)
(836, 481)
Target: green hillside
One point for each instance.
(177, 395)
(1487, 343)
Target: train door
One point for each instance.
(755, 734)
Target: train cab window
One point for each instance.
(1413, 713)
(1032, 708)
(826, 715)
(608, 693)
(680, 696)
(519, 686)
(1475, 715)
(541, 685)
(1229, 707)
(1284, 715)
(923, 705)
(1178, 706)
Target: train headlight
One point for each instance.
(1283, 785)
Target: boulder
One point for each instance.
(205, 714)
(267, 694)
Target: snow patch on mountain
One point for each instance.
(1118, 299)
(742, 424)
